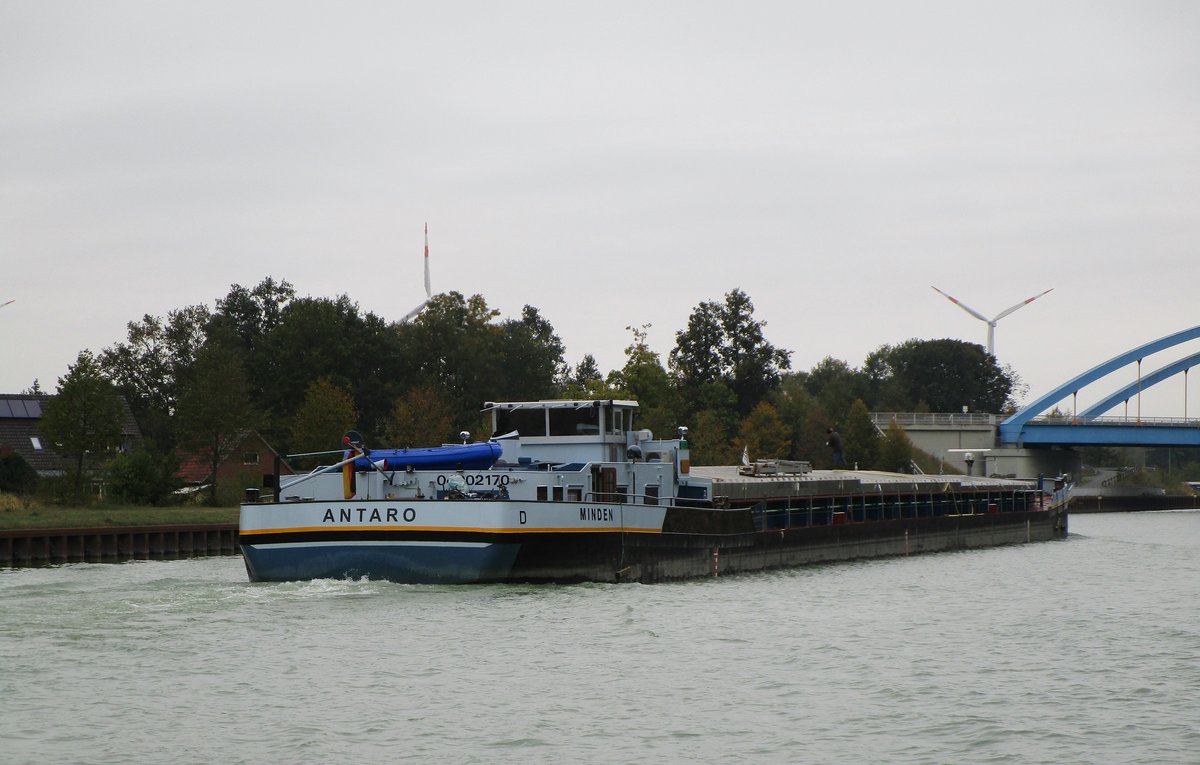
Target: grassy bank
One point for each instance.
(20, 514)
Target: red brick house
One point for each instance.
(250, 463)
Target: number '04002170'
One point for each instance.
(477, 479)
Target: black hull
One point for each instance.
(693, 542)
(649, 558)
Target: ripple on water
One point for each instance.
(1061, 652)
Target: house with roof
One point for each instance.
(20, 420)
(250, 462)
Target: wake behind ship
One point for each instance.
(574, 493)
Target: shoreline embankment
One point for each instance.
(107, 544)
(34, 547)
(1126, 503)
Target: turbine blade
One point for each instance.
(6, 302)
(1023, 303)
(963, 306)
(428, 291)
(409, 316)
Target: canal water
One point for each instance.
(1079, 651)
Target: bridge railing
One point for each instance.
(934, 419)
(1117, 420)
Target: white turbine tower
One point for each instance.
(428, 292)
(991, 323)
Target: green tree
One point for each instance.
(724, 343)
(531, 359)
(813, 438)
(142, 476)
(644, 379)
(764, 434)
(253, 313)
(84, 417)
(710, 441)
(327, 413)
(861, 437)
(455, 348)
(153, 363)
(584, 374)
(16, 475)
(793, 402)
(586, 382)
(945, 375)
(320, 338)
(215, 408)
(895, 449)
(835, 385)
(421, 417)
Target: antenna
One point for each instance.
(428, 291)
(991, 323)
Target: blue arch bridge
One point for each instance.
(1033, 442)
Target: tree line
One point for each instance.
(303, 370)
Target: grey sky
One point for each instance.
(612, 164)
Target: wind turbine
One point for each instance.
(990, 322)
(428, 292)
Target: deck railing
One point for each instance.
(936, 419)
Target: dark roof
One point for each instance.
(20, 406)
(20, 420)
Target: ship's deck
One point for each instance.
(729, 481)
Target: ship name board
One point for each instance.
(369, 515)
(596, 514)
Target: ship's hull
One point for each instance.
(451, 541)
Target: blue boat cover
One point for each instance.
(478, 456)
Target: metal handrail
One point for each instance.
(882, 419)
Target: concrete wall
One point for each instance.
(947, 436)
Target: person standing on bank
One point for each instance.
(835, 445)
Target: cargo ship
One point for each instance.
(569, 491)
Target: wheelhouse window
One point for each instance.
(617, 421)
(527, 422)
(574, 422)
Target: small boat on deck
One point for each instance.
(478, 456)
(578, 494)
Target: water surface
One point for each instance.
(1080, 651)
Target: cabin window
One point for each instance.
(574, 422)
(617, 421)
(652, 495)
(622, 494)
(250, 458)
(558, 494)
(527, 422)
(574, 493)
(542, 494)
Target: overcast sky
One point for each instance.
(613, 164)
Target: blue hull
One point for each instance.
(403, 562)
